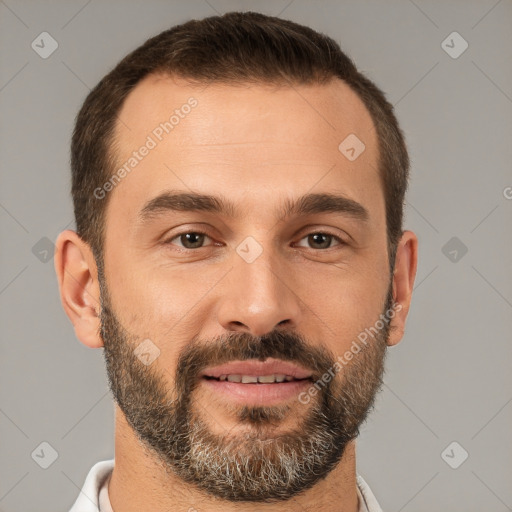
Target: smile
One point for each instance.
(253, 379)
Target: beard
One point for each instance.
(254, 464)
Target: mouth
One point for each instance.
(254, 379)
(256, 382)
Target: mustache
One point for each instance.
(241, 346)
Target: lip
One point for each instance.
(257, 394)
(256, 368)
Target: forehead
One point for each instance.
(236, 113)
(272, 141)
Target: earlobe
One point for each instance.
(77, 275)
(403, 282)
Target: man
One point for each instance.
(238, 189)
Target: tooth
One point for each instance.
(267, 379)
(234, 378)
(223, 377)
(280, 378)
(249, 379)
(289, 378)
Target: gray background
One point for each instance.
(448, 380)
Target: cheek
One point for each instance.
(347, 320)
(167, 305)
(348, 306)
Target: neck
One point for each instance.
(139, 482)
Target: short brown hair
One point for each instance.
(234, 48)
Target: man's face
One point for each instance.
(249, 293)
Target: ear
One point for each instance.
(403, 282)
(79, 287)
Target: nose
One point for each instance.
(259, 297)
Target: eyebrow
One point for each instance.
(177, 201)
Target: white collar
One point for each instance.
(89, 498)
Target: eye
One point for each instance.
(195, 240)
(322, 240)
(189, 239)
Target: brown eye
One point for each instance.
(321, 240)
(189, 240)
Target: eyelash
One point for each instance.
(340, 241)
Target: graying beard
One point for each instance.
(249, 468)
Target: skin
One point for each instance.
(255, 145)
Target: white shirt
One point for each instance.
(94, 494)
